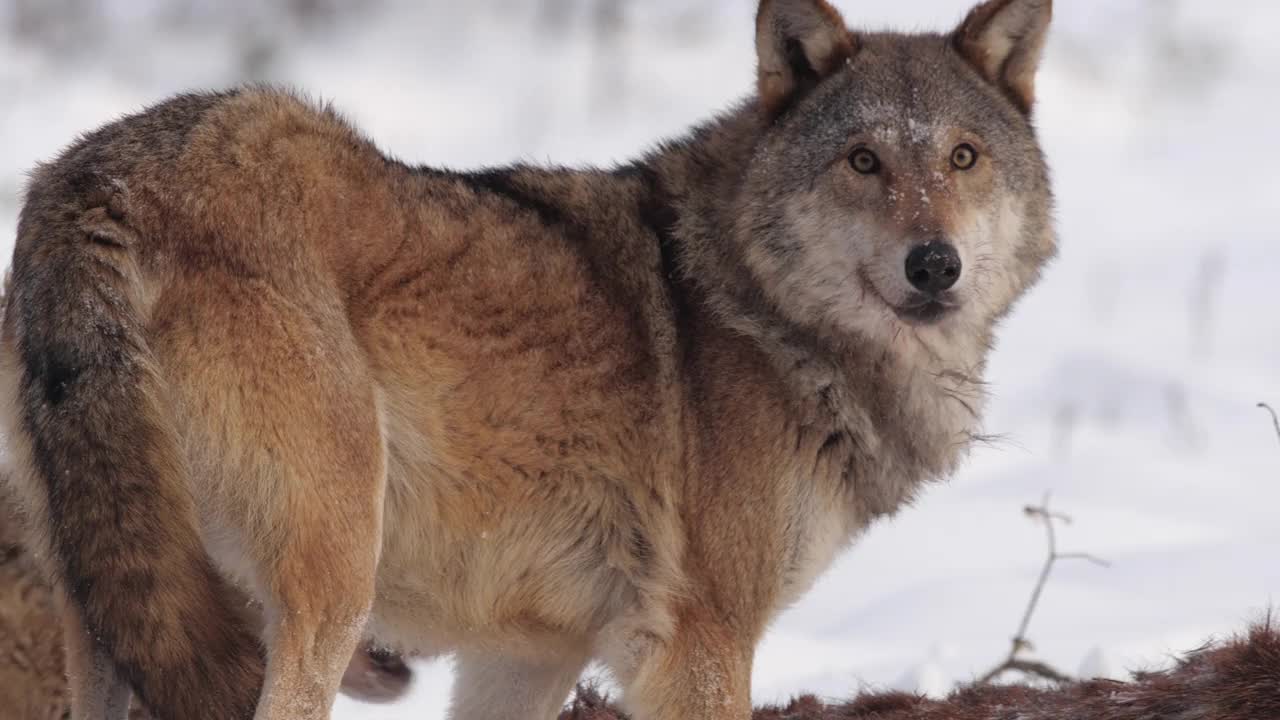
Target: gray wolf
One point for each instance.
(529, 416)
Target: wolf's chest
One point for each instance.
(821, 523)
(865, 465)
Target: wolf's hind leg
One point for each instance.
(318, 549)
(97, 690)
(286, 438)
(496, 687)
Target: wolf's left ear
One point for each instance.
(798, 43)
(1004, 39)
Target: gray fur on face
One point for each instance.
(913, 99)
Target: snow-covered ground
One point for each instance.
(1126, 383)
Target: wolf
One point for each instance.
(527, 416)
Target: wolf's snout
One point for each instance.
(933, 267)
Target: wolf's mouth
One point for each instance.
(920, 309)
(927, 312)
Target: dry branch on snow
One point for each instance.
(1275, 419)
(1014, 661)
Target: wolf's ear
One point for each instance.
(1004, 39)
(798, 43)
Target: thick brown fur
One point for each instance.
(33, 675)
(529, 416)
(1237, 680)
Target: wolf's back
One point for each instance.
(90, 410)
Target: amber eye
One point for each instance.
(964, 157)
(865, 161)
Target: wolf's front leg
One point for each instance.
(703, 671)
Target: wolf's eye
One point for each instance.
(865, 161)
(964, 157)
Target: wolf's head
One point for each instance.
(899, 182)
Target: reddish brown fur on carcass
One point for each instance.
(1236, 680)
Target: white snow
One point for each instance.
(929, 678)
(1126, 383)
(1098, 664)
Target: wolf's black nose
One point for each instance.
(933, 267)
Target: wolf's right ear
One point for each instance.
(798, 43)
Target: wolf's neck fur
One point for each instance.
(904, 410)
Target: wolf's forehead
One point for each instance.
(901, 123)
(907, 91)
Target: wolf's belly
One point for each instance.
(477, 551)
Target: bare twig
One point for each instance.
(1034, 668)
(1275, 420)
(1084, 556)
(1021, 643)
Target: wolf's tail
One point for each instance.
(122, 522)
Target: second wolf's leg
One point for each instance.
(494, 687)
(97, 690)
